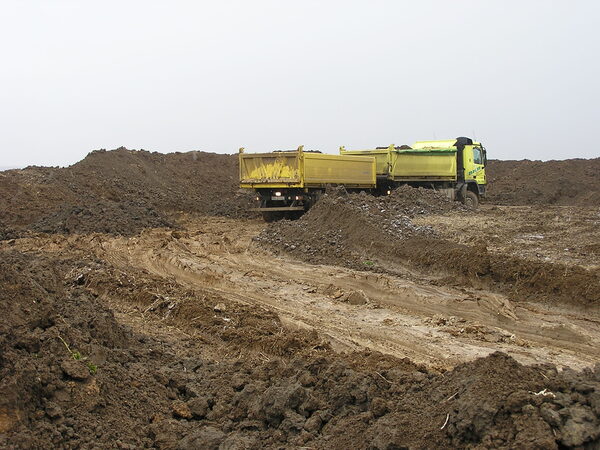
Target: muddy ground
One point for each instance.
(394, 322)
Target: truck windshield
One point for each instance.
(477, 156)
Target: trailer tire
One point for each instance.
(271, 216)
(294, 215)
(471, 200)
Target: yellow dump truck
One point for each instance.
(456, 167)
(287, 183)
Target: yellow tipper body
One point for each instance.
(423, 161)
(300, 169)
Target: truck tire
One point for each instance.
(294, 215)
(271, 216)
(470, 200)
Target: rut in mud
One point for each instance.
(404, 316)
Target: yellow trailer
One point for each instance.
(456, 167)
(412, 164)
(288, 183)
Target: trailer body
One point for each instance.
(300, 169)
(455, 167)
(287, 183)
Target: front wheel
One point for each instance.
(471, 200)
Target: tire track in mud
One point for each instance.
(437, 326)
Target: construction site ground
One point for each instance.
(199, 330)
(403, 313)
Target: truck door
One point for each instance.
(474, 164)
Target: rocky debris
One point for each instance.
(76, 370)
(199, 407)
(208, 438)
(220, 307)
(181, 410)
(357, 298)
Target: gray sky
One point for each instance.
(522, 76)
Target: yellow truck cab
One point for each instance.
(455, 167)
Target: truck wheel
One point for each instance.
(270, 216)
(471, 200)
(294, 215)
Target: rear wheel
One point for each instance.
(271, 216)
(471, 200)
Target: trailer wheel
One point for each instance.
(471, 200)
(294, 215)
(270, 216)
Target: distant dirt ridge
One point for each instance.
(123, 191)
(566, 182)
(120, 191)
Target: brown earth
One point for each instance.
(567, 182)
(378, 233)
(131, 190)
(106, 342)
(120, 191)
(373, 322)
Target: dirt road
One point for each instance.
(437, 326)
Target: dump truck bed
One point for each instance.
(299, 169)
(416, 164)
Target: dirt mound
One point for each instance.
(340, 228)
(125, 218)
(72, 376)
(343, 225)
(567, 182)
(412, 201)
(135, 189)
(376, 233)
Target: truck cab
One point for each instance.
(474, 160)
(471, 159)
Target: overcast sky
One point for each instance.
(521, 76)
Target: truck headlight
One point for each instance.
(277, 194)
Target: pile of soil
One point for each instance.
(71, 376)
(348, 228)
(376, 233)
(124, 218)
(404, 200)
(121, 191)
(567, 182)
